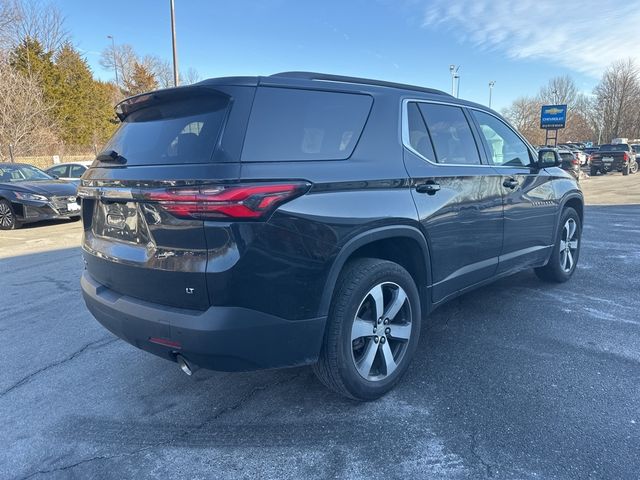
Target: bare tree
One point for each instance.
(618, 97)
(524, 114)
(9, 16)
(161, 69)
(121, 57)
(190, 77)
(559, 91)
(125, 59)
(34, 19)
(24, 116)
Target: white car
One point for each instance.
(583, 157)
(71, 171)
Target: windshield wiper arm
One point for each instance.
(111, 156)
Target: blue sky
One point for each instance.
(517, 44)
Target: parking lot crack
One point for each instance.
(488, 467)
(97, 344)
(89, 460)
(239, 403)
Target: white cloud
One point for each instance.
(584, 35)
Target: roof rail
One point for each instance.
(356, 80)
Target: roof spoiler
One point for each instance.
(137, 102)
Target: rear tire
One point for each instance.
(633, 168)
(566, 250)
(625, 169)
(593, 171)
(7, 216)
(372, 331)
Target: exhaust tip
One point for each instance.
(185, 366)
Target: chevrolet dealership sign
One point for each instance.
(553, 116)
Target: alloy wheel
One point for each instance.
(568, 245)
(6, 215)
(381, 331)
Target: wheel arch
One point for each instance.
(399, 244)
(576, 202)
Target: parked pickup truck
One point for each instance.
(612, 157)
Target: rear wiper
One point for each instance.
(111, 156)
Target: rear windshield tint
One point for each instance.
(173, 132)
(618, 147)
(290, 125)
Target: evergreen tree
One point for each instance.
(142, 80)
(81, 108)
(30, 59)
(73, 109)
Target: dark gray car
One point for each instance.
(27, 195)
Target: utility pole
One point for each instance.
(491, 84)
(115, 58)
(173, 41)
(453, 70)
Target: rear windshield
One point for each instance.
(566, 156)
(289, 125)
(172, 132)
(619, 147)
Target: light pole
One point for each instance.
(491, 84)
(173, 41)
(115, 61)
(453, 70)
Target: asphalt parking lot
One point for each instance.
(518, 380)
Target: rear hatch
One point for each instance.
(143, 197)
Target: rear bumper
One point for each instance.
(220, 338)
(609, 167)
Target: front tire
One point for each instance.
(7, 216)
(566, 250)
(372, 330)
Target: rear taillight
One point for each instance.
(225, 201)
(626, 157)
(575, 161)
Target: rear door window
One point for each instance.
(171, 132)
(291, 124)
(60, 171)
(77, 171)
(451, 134)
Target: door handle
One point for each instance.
(510, 183)
(430, 188)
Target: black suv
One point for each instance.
(259, 222)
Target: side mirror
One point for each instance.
(548, 157)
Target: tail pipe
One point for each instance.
(185, 365)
